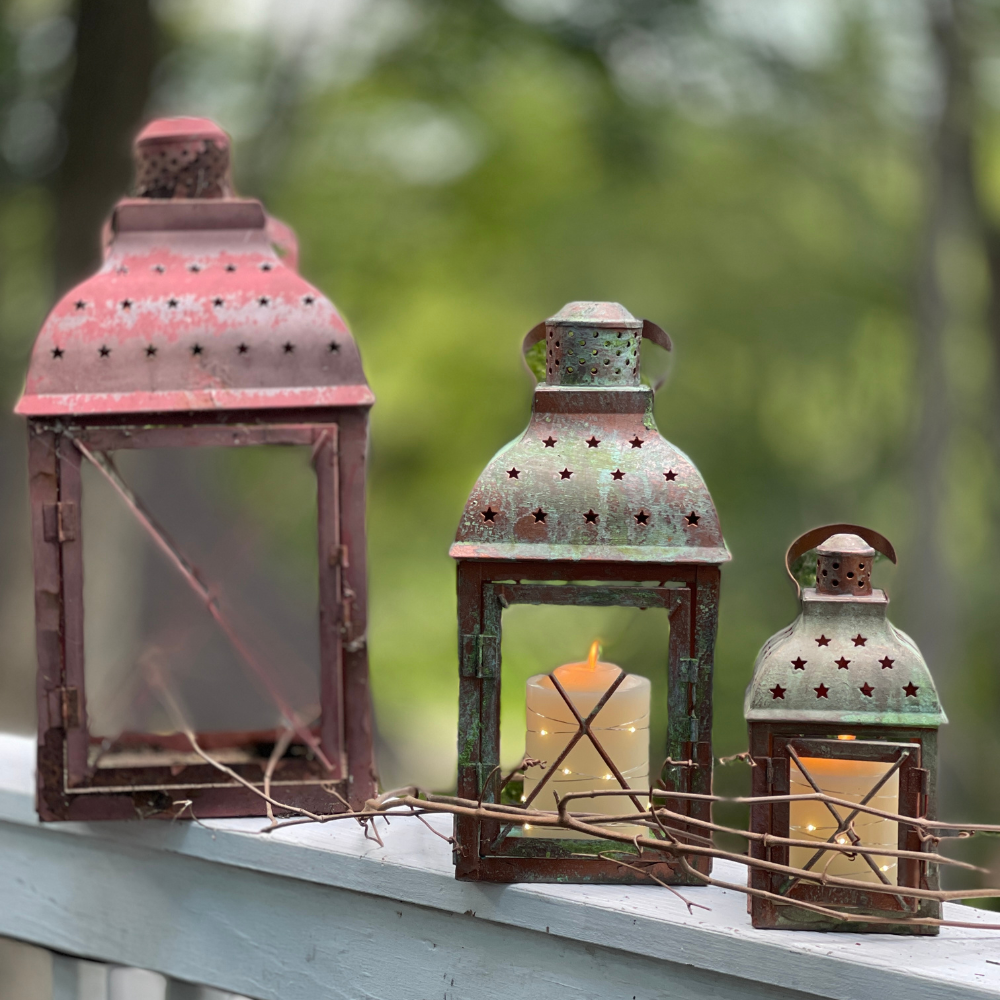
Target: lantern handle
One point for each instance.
(811, 539)
(650, 331)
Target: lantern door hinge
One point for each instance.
(688, 670)
(692, 733)
(59, 522)
(69, 704)
(480, 655)
(338, 556)
(918, 779)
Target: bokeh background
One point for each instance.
(805, 193)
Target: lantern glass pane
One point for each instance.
(850, 780)
(155, 658)
(536, 721)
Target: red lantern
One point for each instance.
(196, 331)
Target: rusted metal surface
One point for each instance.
(590, 493)
(591, 477)
(841, 669)
(196, 332)
(842, 660)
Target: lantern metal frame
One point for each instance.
(522, 554)
(197, 332)
(783, 725)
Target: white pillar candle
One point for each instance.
(811, 820)
(622, 727)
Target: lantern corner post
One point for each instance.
(353, 699)
(471, 712)
(43, 486)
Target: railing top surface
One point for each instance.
(415, 867)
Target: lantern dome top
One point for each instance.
(842, 661)
(591, 478)
(197, 305)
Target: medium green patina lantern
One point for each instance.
(841, 702)
(591, 507)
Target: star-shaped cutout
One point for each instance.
(150, 351)
(308, 299)
(230, 267)
(642, 517)
(822, 691)
(159, 268)
(242, 348)
(670, 475)
(172, 303)
(197, 349)
(911, 690)
(887, 662)
(121, 269)
(513, 473)
(126, 303)
(859, 640)
(549, 442)
(618, 475)
(593, 442)
(265, 267)
(104, 350)
(842, 663)
(218, 301)
(866, 689)
(822, 641)
(57, 352)
(334, 347)
(288, 347)
(194, 268)
(565, 474)
(636, 442)
(80, 304)
(799, 664)
(539, 515)
(489, 514)
(778, 692)
(263, 301)
(692, 518)
(590, 517)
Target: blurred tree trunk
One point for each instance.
(947, 215)
(116, 51)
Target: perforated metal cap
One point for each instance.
(182, 158)
(193, 308)
(591, 478)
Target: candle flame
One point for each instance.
(595, 652)
(846, 737)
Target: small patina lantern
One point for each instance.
(589, 506)
(842, 703)
(197, 331)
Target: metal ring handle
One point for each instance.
(812, 538)
(650, 331)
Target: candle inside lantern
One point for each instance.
(851, 780)
(622, 727)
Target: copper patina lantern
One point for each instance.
(842, 704)
(590, 507)
(197, 332)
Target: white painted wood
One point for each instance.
(91, 980)
(136, 984)
(65, 981)
(316, 912)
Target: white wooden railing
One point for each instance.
(317, 912)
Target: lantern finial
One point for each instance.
(182, 158)
(843, 565)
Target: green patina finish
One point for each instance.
(843, 661)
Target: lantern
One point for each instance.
(591, 507)
(842, 703)
(197, 332)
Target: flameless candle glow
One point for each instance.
(810, 820)
(622, 726)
